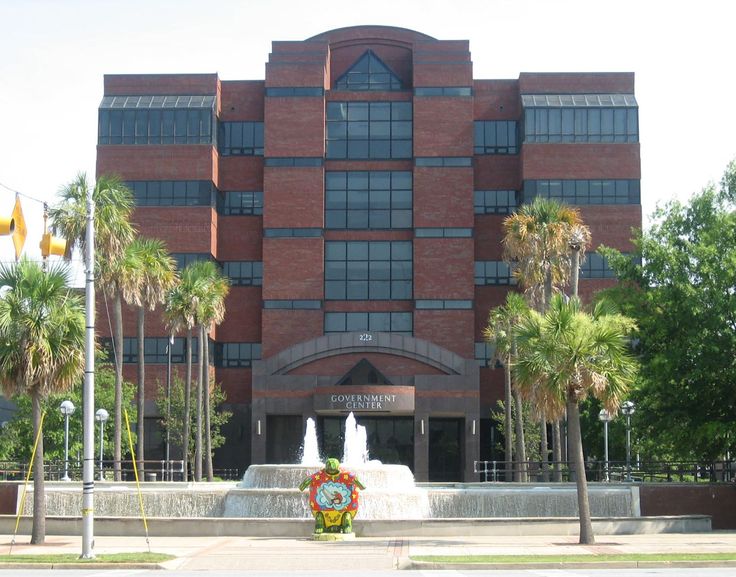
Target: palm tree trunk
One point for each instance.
(507, 426)
(544, 447)
(198, 423)
(520, 457)
(187, 409)
(576, 447)
(118, 410)
(207, 430)
(575, 271)
(38, 531)
(557, 451)
(141, 390)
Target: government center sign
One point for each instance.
(386, 400)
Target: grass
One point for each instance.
(661, 557)
(74, 558)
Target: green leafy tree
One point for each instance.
(41, 350)
(567, 355)
(16, 437)
(683, 298)
(147, 273)
(113, 206)
(175, 424)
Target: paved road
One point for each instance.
(714, 572)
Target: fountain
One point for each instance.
(271, 490)
(268, 502)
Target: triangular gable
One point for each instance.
(368, 73)
(364, 373)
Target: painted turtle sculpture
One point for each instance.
(333, 498)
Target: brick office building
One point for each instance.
(355, 199)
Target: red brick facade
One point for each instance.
(443, 335)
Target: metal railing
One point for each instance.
(613, 471)
(153, 470)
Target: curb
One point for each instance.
(86, 565)
(428, 565)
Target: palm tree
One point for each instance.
(204, 290)
(113, 206)
(538, 239)
(501, 322)
(212, 311)
(42, 332)
(148, 272)
(181, 308)
(566, 355)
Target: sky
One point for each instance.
(54, 53)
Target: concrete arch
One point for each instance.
(374, 342)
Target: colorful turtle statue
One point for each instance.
(333, 498)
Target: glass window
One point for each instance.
(236, 355)
(368, 73)
(496, 137)
(172, 192)
(493, 272)
(368, 200)
(233, 203)
(582, 192)
(240, 138)
(368, 270)
(394, 322)
(369, 130)
(243, 273)
(599, 124)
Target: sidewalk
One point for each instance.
(371, 553)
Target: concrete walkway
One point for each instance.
(370, 553)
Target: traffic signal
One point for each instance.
(16, 226)
(52, 245)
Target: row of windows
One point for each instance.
(496, 137)
(237, 203)
(302, 304)
(368, 270)
(495, 201)
(172, 192)
(493, 272)
(394, 322)
(373, 200)
(443, 91)
(155, 126)
(585, 191)
(155, 349)
(292, 232)
(236, 355)
(429, 232)
(367, 130)
(240, 138)
(581, 125)
(447, 304)
(443, 161)
(243, 273)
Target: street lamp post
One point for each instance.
(628, 409)
(67, 409)
(606, 418)
(101, 416)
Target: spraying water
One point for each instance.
(310, 448)
(355, 448)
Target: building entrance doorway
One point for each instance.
(390, 439)
(445, 449)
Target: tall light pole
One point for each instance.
(88, 394)
(101, 416)
(67, 409)
(168, 406)
(606, 418)
(628, 409)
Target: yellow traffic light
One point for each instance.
(52, 245)
(15, 225)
